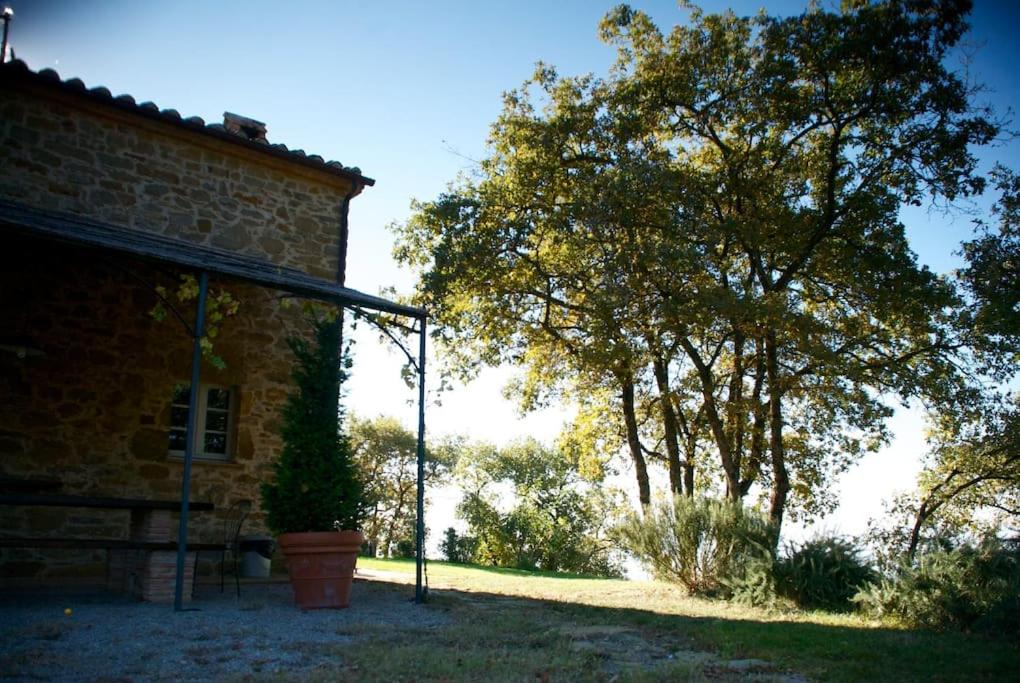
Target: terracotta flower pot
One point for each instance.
(321, 566)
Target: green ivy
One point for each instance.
(219, 305)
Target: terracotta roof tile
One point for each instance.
(18, 70)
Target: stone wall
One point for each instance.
(94, 408)
(63, 155)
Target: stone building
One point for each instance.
(95, 192)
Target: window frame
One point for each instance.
(201, 420)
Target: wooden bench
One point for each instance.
(143, 564)
(29, 484)
(106, 502)
(101, 544)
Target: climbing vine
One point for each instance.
(219, 306)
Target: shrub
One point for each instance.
(456, 548)
(824, 573)
(967, 587)
(700, 543)
(754, 582)
(316, 486)
(405, 548)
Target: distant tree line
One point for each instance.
(525, 506)
(386, 454)
(546, 517)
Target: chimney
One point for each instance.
(7, 14)
(245, 127)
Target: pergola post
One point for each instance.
(189, 446)
(419, 593)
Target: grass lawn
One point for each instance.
(554, 626)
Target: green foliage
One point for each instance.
(966, 587)
(219, 306)
(316, 486)
(555, 522)
(458, 548)
(386, 455)
(823, 573)
(754, 583)
(973, 468)
(714, 229)
(701, 543)
(970, 483)
(992, 275)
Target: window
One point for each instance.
(214, 425)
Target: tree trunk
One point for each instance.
(756, 455)
(669, 426)
(780, 478)
(715, 421)
(689, 430)
(735, 416)
(915, 532)
(633, 442)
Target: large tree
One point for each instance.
(971, 476)
(803, 136)
(543, 261)
(711, 236)
(972, 468)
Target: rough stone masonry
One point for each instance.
(90, 403)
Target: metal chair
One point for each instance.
(232, 525)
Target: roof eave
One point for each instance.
(18, 72)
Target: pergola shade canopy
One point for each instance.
(70, 228)
(17, 219)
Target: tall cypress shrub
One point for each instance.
(317, 487)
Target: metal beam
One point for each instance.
(189, 446)
(419, 593)
(150, 244)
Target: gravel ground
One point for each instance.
(112, 638)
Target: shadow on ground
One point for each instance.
(458, 635)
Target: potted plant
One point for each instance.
(315, 504)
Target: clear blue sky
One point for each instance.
(402, 89)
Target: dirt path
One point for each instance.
(626, 651)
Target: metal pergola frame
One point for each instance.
(18, 219)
